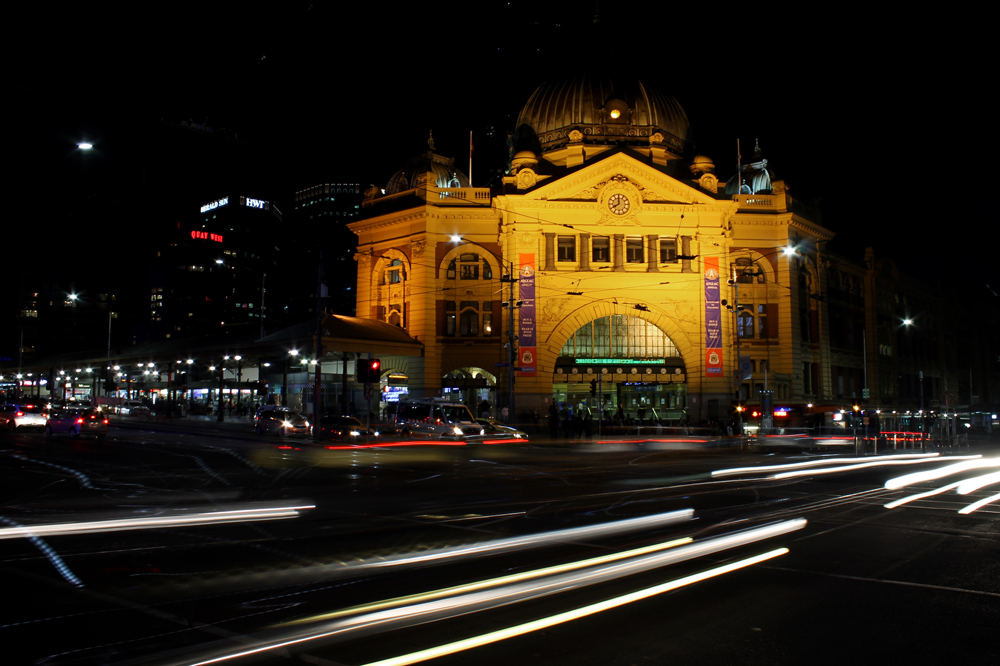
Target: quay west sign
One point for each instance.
(204, 235)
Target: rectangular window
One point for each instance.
(487, 323)
(567, 248)
(668, 250)
(449, 317)
(601, 249)
(633, 250)
(744, 325)
(469, 271)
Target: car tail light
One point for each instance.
(79, 420)
(19, 414)
(105, 422)
(92, 416)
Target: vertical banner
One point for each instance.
(713, 319)
(527, 358)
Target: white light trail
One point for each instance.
(395, 618)
(534, 540)
(154, 522)
(492, 582)
(969, 462)
(981, 503)
(870, 463)
(910, 498)
(977, 482)
(518, 630)
(814, 463)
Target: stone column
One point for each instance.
(619, 250)
(584, 252)
(654, 242)
(550, 252)
(686, 251)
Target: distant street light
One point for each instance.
(85, 146)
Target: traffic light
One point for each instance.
(593, 387)
(369, 371)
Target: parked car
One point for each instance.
(340, 428)
(436, 418)
(77, 422)
(132, 408)
(282, 422)
(22, 415)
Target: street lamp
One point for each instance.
(284, 383)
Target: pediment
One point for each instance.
(616, 172)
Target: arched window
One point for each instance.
(619, 336)
(469, 267)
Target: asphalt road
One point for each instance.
(859, 582)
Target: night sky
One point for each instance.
(878, 122)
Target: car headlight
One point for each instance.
(307, 424)
(355, 433)
(376, 433)
(456, 430)
(287, 424)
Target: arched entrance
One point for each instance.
(473, 386)
(623, 367)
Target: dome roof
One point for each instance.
(606, 110)
(443, 168)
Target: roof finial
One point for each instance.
(756, 148)
(430, 139)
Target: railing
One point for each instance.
(759, 201)
(463, 195)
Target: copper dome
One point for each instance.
(605, 110)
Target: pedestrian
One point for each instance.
(553, 421)
(504, 414)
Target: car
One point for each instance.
(282, 422)
(495, 429)
(340, 428)
(22, 415)
(77, 422)
(132, 408)
(436, 418)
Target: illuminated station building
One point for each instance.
(626, 254)
(214, 274)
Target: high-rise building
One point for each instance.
(323, 212)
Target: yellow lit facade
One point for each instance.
(618, 224)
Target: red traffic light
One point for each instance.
(374, 364)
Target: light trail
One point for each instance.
(848, 468)
(534, 540)
(970, 462)
(492, 582)
(395, 618)
(154, 522)
(977, 482)
(814, 463)
(930, 493)
(568, 616)
(980, 504)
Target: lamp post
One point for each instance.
(284, 383)
(239, 381)
(511, 338)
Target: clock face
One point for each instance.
(618, 204)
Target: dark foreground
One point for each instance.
(335, 552)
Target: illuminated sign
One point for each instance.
(215, 204)
(254, 203)
(838, 417)
(621, 361)
(204, 235)
(782, 411)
